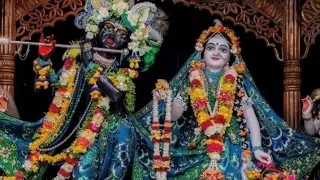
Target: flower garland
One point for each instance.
(122, 80)
(54, 119)
(137, 21)
(213, 123)
(161, 163)
(18, 176)
(252, 172)
(43, 69)
(92, 77)
(86, 137)
(218, 28)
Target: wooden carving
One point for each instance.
(310, 23)
(46, 13)
(251, 19)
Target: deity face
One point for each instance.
(112, 35)
(216, 53)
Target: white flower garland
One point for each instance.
(161, 163)
(139, 38)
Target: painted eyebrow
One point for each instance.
(210, 44)
(224, 46)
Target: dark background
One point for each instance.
(186, 24)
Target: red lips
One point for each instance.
(110, 41)
(215, 58)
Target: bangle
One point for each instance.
(90, 65)
(257, 148)
(307, 116)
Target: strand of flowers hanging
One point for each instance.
(213, 123)
(86, 137)
(161, 163)
(55, 117)
(43, 65)
(251, 171)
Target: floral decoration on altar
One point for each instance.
(145, 41)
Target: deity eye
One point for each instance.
(210, 47)
(224, 50)
(121, 32)
(109, 26)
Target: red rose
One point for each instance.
(166, 140)
(47, 124)
(154, 140)
(98, 111)
(72, 161)
(84, 142)
(201, 104)
(195, 83)
(64, 173)
(219, 119)
(166, 158)
(205, 125)
(224, 97)
(68, 63)
(216, 137)
(214, 148)
(156, 157)
(62, 90)
(230, 78)
(93, 127)
(19, 175)
(155, 125)
(54, 109)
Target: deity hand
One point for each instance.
(243, 174)
(86, 52)
(307, 106)
(46, 51)
(161, 91)
(262, 156)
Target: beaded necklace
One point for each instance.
(212, 83)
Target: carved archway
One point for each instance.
(33, 16)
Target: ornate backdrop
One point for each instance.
(289, 27)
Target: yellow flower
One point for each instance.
(92, 81)
(95, 94)
(73, 53)
(228, 88)
(166, 136)
(202, 117)
(35, 168)
(197, 93)
(224, 110)
(211, 141)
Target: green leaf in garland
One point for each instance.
(150, 57)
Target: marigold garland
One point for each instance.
(122, 80)
(213, 123)
(55, 117)
(86, 137)
(161, 163)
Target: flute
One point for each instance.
(6, 41)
